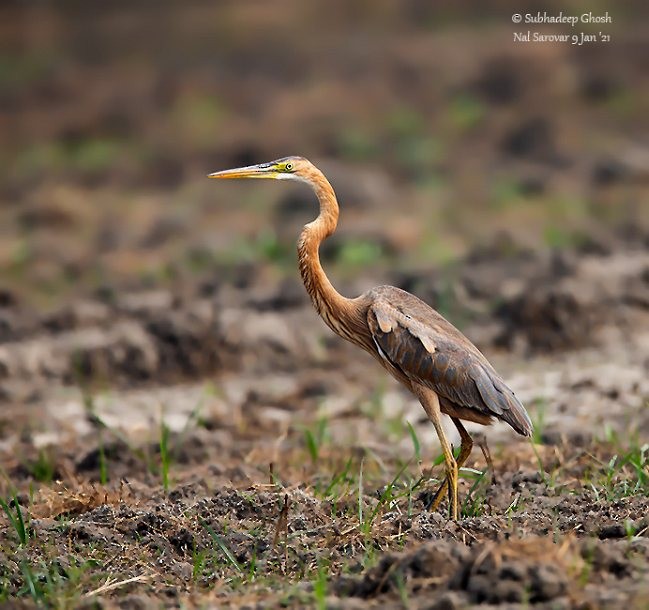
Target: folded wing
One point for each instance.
(429, 350)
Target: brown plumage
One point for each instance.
(416, 345)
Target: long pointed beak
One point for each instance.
(263, 170)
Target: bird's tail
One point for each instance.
(502, 402)
(516, 415)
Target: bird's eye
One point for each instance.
(288, 167)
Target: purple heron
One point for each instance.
(417, 345)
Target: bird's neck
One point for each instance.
(329, 303)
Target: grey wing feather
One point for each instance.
(434, 353)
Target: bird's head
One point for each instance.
(287, 168)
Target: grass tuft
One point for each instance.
(315, 438)
(16, 519)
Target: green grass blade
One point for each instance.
(32, 583)
(337, 479)
(103, 465)
(473, 505)
(311, 445)
(224, 547)
(16, 519)
(415, 441)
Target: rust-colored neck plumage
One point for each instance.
(330, 304)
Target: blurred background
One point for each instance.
(439, 132)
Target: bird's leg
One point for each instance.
(465, 452)
(430, 402)
(482, 443)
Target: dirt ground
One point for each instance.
(300, 483)
(177, 426)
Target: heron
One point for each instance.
(413, 342)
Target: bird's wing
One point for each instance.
(435, 354)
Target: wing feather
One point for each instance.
(430, 351)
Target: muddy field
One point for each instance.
(177, 426)
(243, 456)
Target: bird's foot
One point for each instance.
(449, 485)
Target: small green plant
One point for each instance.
(337, 480)
(386, 498)
(439, 460)
(474, 503)
(400, 581)
(320, 587)
(314, 439)
(139, 453)
(544, 475)
(43, 468)
(55, 583)
(630, 528)
(370, 557)
(538, 421)
(32, 584)
(103, 464)
(625, 474)
(415, 441)
(252, 568)
(231, 559)
(515, 505)
(16, 519)
(198, 563)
